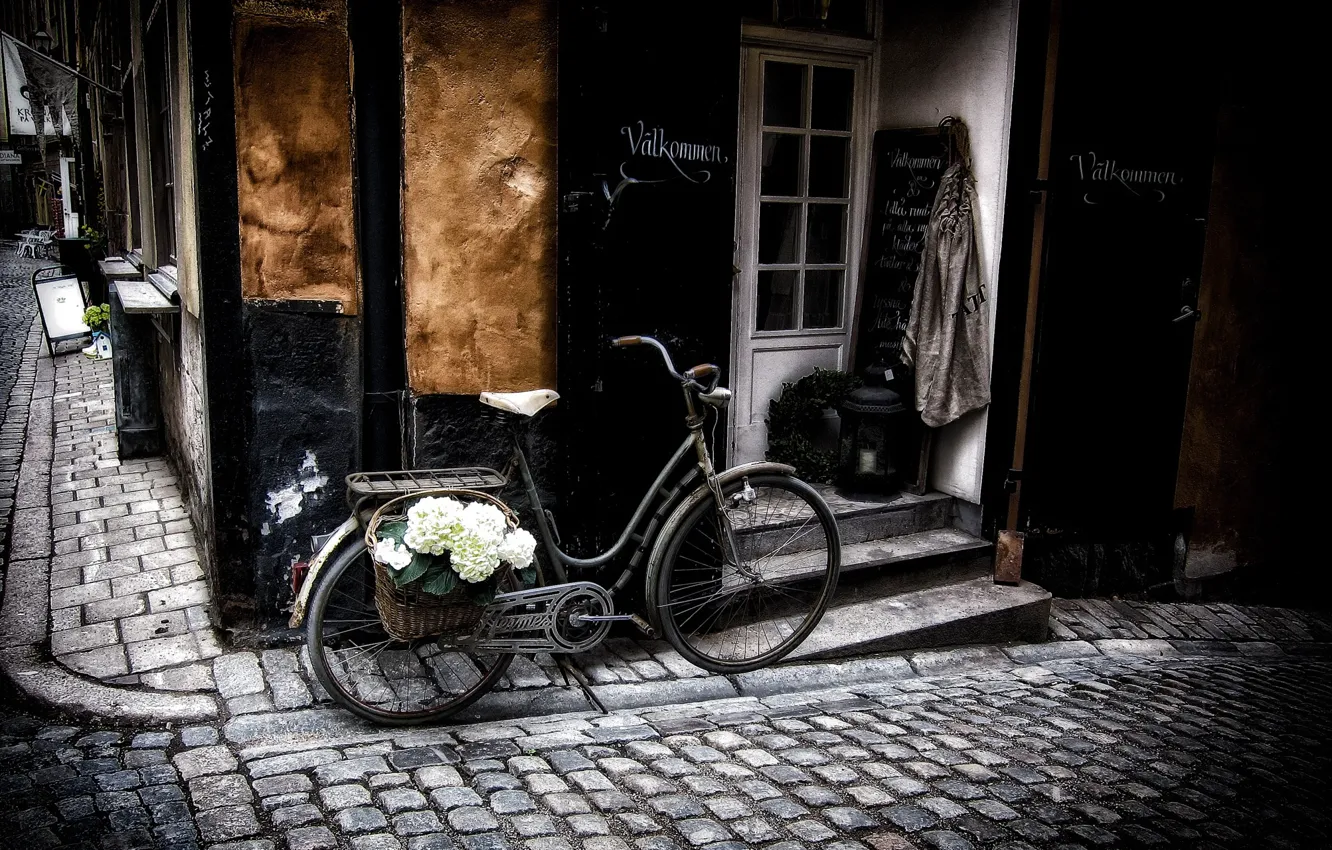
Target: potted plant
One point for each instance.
(96, 241)
(98, 320)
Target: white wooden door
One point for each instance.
(800, 206)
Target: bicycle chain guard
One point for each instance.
(539, 620)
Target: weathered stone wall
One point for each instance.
(479, 194)
(293, 148)
(181, 386)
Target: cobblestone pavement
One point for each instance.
(17, 309)
(1075, 753)
(1101, 619)
(128, 596)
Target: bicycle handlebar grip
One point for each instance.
(622, 341)
(702, 370)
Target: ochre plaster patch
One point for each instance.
(479, 195)
(293, 147)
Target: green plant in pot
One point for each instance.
(794, 419)
(96, 241)
(98, 317)
(98, 320)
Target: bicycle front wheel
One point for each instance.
(389, 681)
(738, 588)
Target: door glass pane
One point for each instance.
(827, 234)
(783, 94)
(776, 300)
(832, 98)
(823, 298)
(781, 164)
(829, 161)
(779, 233)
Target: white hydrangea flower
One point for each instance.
(473, 559)
(475, 535)
(486, 520)
(518, 548)
(432, 523)
(392, 555)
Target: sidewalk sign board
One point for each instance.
(60, 299)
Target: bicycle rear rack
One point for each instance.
(388, 485)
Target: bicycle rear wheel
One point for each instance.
(393, 682)
(731, 608)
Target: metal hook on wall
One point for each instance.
(957, 140)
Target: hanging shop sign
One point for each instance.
(11, 158)
(40, 94)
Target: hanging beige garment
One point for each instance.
(948, 335)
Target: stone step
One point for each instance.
(972, 611)
(894, 564)
(865, 519)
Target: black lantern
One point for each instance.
(42, 42)
(872, 420)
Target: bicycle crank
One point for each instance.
(561, 618)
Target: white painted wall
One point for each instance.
(955, 57)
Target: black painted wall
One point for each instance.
(639, 258)
(305, 424)
(457, 430)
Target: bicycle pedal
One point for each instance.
(642, 624)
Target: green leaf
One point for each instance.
(419, 566)
(441, 582)
(482, 593)
(394, 531)
(528, 576)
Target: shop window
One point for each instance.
(159, 68)
(133, 207)
(804, 189)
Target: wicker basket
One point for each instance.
(408, 612)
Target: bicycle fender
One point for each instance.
(322, 557)
(760, 467)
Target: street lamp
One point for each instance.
(42, 42)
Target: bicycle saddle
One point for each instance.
(527, 404)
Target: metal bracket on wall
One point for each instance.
(165, 329)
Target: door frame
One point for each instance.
(758, 43)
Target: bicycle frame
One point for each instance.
(560, 560)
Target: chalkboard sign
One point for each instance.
(907, 166)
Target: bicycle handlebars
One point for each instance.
(622, 341)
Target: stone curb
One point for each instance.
(25, 612)
(51, 687)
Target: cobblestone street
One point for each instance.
(1093, 752)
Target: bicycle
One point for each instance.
(740, 567)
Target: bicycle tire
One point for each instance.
(393, 683)
(699, 596)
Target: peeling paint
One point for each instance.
(287, 502)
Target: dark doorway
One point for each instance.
(648, 111)
(1131, 160)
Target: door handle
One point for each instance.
(1187, 314)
